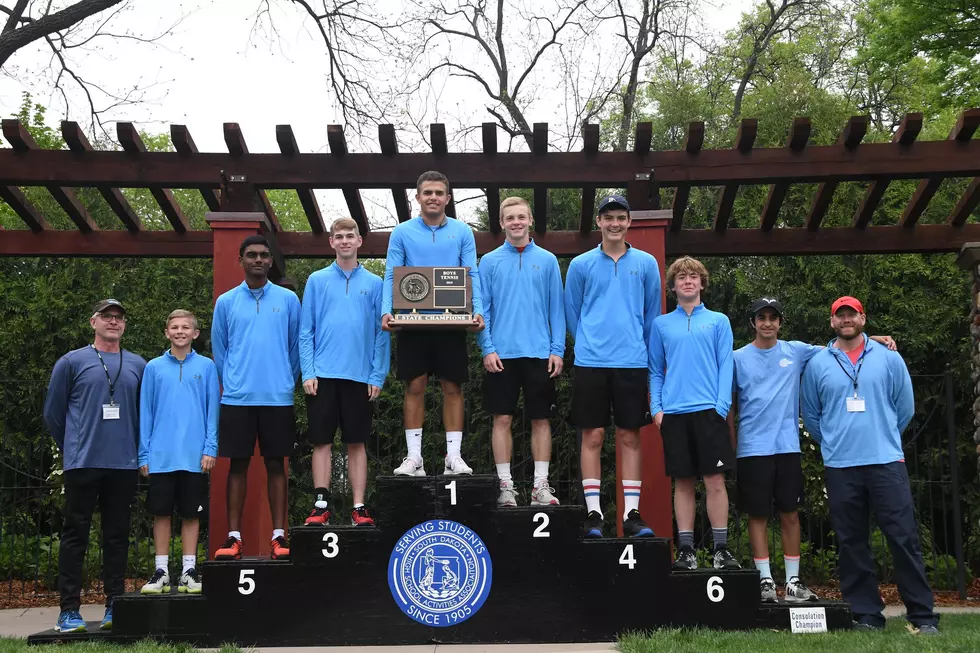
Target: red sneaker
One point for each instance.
(280, 548)
(360, 517)
(318, 516)
(232, 550)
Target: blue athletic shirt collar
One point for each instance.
(167, 353)
(423, 223)
(341, 270)
(511, 248)
(244, 285)
(697, 309)
(869, 344)
(628, 249)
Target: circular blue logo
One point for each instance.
(440, 573)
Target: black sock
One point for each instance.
(320, 495)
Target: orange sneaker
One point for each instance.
(232, 550)
(318, 517)
(280, 548)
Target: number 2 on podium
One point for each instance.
(452, 492)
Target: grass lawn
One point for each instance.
(959, 633)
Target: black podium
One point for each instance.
(489, 575)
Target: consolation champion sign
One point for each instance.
(440, 573)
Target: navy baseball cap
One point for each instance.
(767, 302)
(106, 303)
(613, 202)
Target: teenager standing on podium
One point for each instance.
(255, 342)
(345, 357)
(522, 345)
(612, 295)
(432, 239)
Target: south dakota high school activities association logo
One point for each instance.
(440, 573)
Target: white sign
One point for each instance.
(808, 620)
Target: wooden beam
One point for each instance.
(798, 136)
(744, 140)
(180, 136)
(587, 217)
(493, 209)
(24, 144)
(643, 138)
(966, 125)
(437, 134)
(850, 138)
(540, 138)
(590, 138)
(540, 210)
(389, 147)
(150, 244)
(692, 145)
(24, 208)
(968, 203)
(440, 148)
(906, 134)
(355, 205)
(288, 146)
(489, 130)
(78, 142)
(237, 147)
(133, 145)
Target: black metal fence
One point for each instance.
(31, 490)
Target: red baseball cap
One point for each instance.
(851, 302)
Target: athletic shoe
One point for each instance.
(797, 592)
(280, 548)
(768, 589)
(189, 582)
(723, 559)
(70, 621)
(456, 466)
(107, 619)
(318, 517)
(543, 496)
(507, 498)
(928, 629)
(593, 525)
(410, 467)
(232, 550)
(361, 517)
(686, 560)
(634, 526)
(159, 583)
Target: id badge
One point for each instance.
(855, 404)
(111, 411)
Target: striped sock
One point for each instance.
(591, 489)
(762, 564)
(685, 539)
(792, 567)
(719, 536)
(631, 496)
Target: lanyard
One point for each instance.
(857, 373)
(112, 382)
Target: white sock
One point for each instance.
(358, 505)
(591, 488)
(540, 473)
(762, 564)
(278, 532)
(503, 472)
(236, 535)
(414, 439)
(792, 566)
(190, 562)
(161, 562)
(453, 440)
(631, 496)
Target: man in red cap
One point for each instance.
(857, 400)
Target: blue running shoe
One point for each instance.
(70, 621)
(634, 526)
(107, 619)
(593, 525)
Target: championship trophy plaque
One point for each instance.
(431, 298)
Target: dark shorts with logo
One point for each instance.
(440, 353)
(696, 444)
(502, 389)
(239, 426)
(596, 390)
(339, 403)
(187, 492)
(764, 481)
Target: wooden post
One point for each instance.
(230, 229)
(969, 259)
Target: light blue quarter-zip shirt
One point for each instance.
(610, 307)
(340, 333)
(415, 243)
(255, 342)
(179, 404)
(523, 305)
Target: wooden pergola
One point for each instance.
(237, 181)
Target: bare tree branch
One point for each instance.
(14, 39)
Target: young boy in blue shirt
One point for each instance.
(179, 402)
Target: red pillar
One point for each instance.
(648, 233)
(230, 229)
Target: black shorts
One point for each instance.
(238, 427)
(765, 480)
(440, 353)
(343, 403)
(185, 491)
(597, 389)
(501, 389)
(696, 444)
